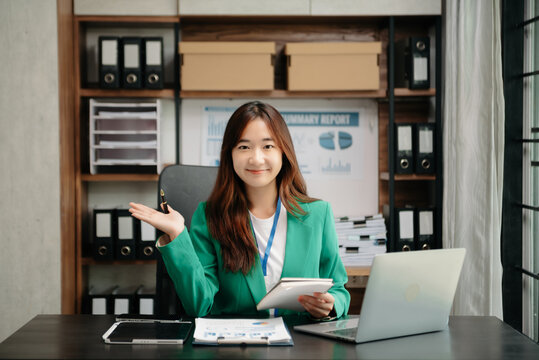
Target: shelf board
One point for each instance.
(281, 19)
(92, 261)
(358, 270)
(119, 177)
(123, 147)
(142, 93)
(408, 177)
(408, 92)
(127, 19)
(381, 93)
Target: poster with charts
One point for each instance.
(327, 143)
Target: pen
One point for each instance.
(164, 202)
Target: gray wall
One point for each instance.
(29, 163)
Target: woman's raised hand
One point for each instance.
(171, 224)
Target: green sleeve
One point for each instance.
(192, 263)
(331, 265)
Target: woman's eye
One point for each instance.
(268, 146)
(242, 147)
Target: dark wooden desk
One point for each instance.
(79, 336)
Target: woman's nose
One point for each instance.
(257, 157)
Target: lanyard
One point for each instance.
(270, 239)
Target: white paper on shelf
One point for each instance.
(357, 243)
(345, 219)
(362, 231)
(108, 162)
(360, 241)
(112, 144)
(363, 256)
(126, 115)
(124, 105)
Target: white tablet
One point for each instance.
(284, 295)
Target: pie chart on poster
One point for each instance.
(327, 140)
(345, 140)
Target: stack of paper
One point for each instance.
(361, 238)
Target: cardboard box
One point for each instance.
(227, 65)
(333, 66)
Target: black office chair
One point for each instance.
(185, 186)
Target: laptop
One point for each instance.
(407, 293)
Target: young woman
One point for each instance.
(257, 226)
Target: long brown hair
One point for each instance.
(227, 207)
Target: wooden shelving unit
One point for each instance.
(83, 91)
(410, 105)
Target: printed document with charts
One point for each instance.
(270, 331)
(285, 294)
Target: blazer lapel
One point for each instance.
(255, 281)
(298, 234)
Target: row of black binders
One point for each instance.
(119, 236)
(120, 300)
(414, 229)
(415, 148)
(130, 62)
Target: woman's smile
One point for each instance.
(257, 172)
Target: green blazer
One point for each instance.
(194, 263)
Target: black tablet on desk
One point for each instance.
(148, 332)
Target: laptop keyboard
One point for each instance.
(350, 332)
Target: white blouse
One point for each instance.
(262, 230)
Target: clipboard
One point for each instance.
(265, 332)
(148, 332)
